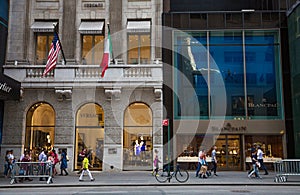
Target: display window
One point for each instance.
(271, 145)
(137, 137)
(90, 135)
(40, 128)
(228, 150)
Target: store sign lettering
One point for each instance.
(4, 87)
(264, 105)
(88, 115)
(229, 128)
(88, 5)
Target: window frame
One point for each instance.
(49, 38)
(94, 44)
(139, 57)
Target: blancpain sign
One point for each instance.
(4, 87)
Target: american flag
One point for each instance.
(53, 54)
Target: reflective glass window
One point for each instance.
(226, 50)
(191, 72)
(248, 64)
(263, 75)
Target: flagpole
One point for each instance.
(112, 53)
(62, 51)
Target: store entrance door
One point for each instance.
(228, 152)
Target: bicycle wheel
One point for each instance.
(182, 176)
(161, 176)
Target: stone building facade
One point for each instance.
(73, 107)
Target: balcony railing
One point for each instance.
(32, 75)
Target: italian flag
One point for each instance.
(106, 55)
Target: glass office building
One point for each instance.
(229, 83)
(294, 47)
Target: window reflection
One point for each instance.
(233, 55)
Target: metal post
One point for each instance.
(169, 151)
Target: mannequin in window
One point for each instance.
(137, 148)
(143, 149)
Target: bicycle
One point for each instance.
(180, 175)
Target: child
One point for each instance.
(155, 162)
(85, 165)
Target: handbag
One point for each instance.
(21, 172)
(258, 164)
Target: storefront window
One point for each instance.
(90, 135)
(242, 59)
(137, 137)
(228, 150)
(92, 49)
(40, 126)
(271, 145)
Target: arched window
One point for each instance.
(137, 137)
(40, 126)
(90, 134)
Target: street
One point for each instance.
(180, 189)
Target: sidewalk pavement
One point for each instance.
(145, 178)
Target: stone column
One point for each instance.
(69, 30)
(16, 40)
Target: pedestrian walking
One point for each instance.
(199, 162)
(255, 165)
(155, 162)
(24, 168)
(204, 166)
(56, 160)
(214, 160)
(6, 163)
(86, 166)
(81, 156)
(63, 163)
(42, 166)
(252, 150)
(260, 159)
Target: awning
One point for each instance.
(9, 88)
(91, 27)
(43, 26)
(138, 26)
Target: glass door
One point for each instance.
(228, 152)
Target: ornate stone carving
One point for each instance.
(63, 94)
(157, 93)
(113, 94)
